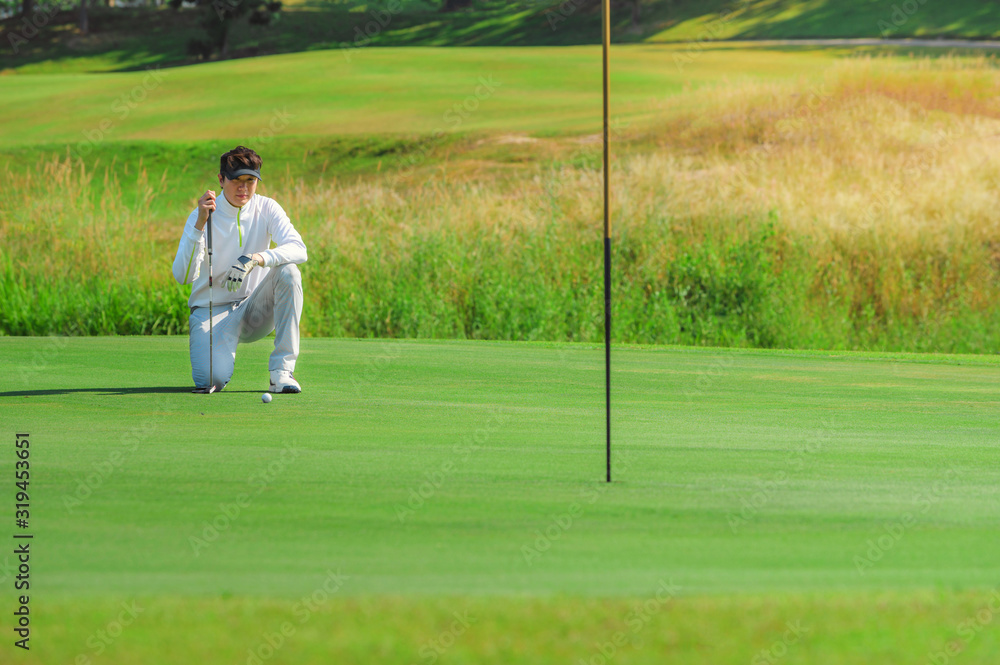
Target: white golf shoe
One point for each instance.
(282, 381)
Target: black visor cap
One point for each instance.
(236, 174)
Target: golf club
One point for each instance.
(211, 351)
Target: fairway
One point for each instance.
(375, 91)
(439, 477)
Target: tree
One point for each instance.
(84, 22)
(9, 8)
(218, 16)
(27, 8)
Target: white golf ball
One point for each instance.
(265, 398)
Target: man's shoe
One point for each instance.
(282, 381)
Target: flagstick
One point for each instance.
(607, 239)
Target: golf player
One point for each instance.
(255, 289)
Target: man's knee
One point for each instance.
(223, 368)
(221, 375)
(289, 274)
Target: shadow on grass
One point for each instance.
(855, 50)
(153, 390)
(964, 18)
(802, 19)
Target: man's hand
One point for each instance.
(241, 269)
(205, 204)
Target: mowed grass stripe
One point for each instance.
(444, 468)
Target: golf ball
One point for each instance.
(265, 398)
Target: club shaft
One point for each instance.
(211, 341)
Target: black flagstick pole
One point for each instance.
(607, 239)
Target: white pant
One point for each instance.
(276, 304)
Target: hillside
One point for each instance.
(135, 38)
(398, 91)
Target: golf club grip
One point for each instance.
(209, 239)
(210, 232)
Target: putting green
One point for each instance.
(438, 477)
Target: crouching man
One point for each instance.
(254, 289)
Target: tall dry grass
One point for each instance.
(79, 252)
(884, 173)
(857, 211)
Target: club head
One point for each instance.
(204, 391)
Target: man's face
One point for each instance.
(238, 191)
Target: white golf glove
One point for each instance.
(240, 269)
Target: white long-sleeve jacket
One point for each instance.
(235, 232)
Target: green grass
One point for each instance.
(442, 249)
(833, 450)
(832, 629)
(379, 91)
